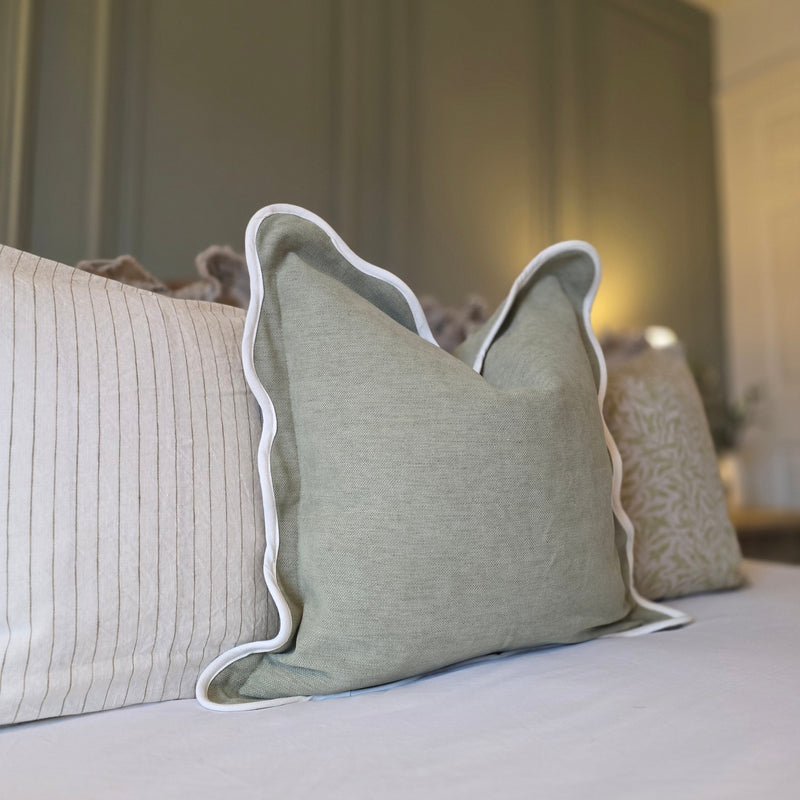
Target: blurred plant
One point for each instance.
(727, 419)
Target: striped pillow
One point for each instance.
(131, 535)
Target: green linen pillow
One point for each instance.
(422, 511)
(671, 487)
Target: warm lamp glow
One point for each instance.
(623, 292)
(660, 337)
(612, 309)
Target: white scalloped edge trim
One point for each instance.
(674, 618)
(265, 445)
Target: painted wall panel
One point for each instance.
(60, 135)
(642, 190)
(449, 140)
(237, 114)
(8, 46)
(478, 156)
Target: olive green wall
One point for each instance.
(448, 140)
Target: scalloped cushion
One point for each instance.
(422, 511)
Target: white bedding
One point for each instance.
(710, 711)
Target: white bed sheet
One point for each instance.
(710, 711)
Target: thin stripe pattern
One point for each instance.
(129, 503)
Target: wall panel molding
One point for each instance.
(15, 135)
(96, 200)
(372, 60)
(759, 127)
(544, 125)
(401, 176)
(571, 130)
(347, 66)
(128, 117)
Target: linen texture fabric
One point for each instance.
(671, 487)
(422, 511)
(131, 530)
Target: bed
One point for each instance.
(432, 509)
(708, 711)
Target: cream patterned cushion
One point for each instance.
(671, 488)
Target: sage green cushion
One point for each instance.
(671, 486)
(424, 514)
